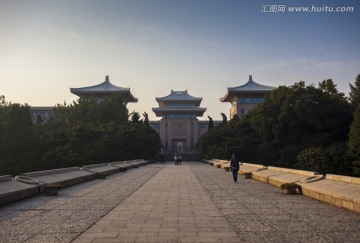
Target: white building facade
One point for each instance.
(179, 128)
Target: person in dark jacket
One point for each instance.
(234, 166)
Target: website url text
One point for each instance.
(307, 9)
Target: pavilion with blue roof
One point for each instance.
(100, 91)
(245, 97)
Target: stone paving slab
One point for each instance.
(193, 202)
(62, 218)
(11, 190)
(171, 207)
(259, 212)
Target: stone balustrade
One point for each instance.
(64, 176)
(105, 168)
(338, 190)
(32, 183)
(277, 176)
(210, 162)
(342, 191)
(12, 190)
(220, 162)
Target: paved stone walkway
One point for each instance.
(189, 203)
(171, 207)
(62, 218)
(259, 212)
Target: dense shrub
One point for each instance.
(298, 126)
(85, 132)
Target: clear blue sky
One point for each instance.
(153, 46)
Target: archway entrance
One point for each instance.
(179, 146)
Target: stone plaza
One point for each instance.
(193, 202)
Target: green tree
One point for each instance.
(16, 138)
(354, 136)
(329, 87)
(288, 126)
(211, 123)
(355, 92)
(88, 132)
(235, 118)
(331, 159)
(221, 141)
(39, 119)
(2, 101)
(135, 116)
(146, 118)
(224, 119)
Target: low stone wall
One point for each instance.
(250, 168)
(49, 172)
(104, 168)
(226, 166)
(11, 190)
(210, 162)
(220, 162)
(341, 191)
(32, 183)
(278, 176)
(338, 190)
(64, 176)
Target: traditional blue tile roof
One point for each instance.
(179, 96)
(179, 102)
(104, 88)
(194, 110)
(249, 88)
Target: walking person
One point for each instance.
(162, 157)
(179, 159)
(176, 158)
(234, 166)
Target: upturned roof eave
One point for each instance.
(74, 91)
(228, 97)
(104, 87)
(235, 90)
(179, 96)
(166, 99)
(163, 102)
(160, 112)
(178, 109)
(132, 98)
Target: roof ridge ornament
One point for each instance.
(250, 78)
(107, 79)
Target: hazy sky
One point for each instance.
(153, 46)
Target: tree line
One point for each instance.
(306, 127)
(82, 133)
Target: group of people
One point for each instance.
(234, 163)
(177, 158)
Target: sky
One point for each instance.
(155, 46)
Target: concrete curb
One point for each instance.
(335, 191)
(32, 183)
(341, 191)
(11, 190)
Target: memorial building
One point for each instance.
(99, 92)
(179, 128)
(245, 97)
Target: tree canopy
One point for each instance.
(355, 91)
(292, 123)
(84, 132)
